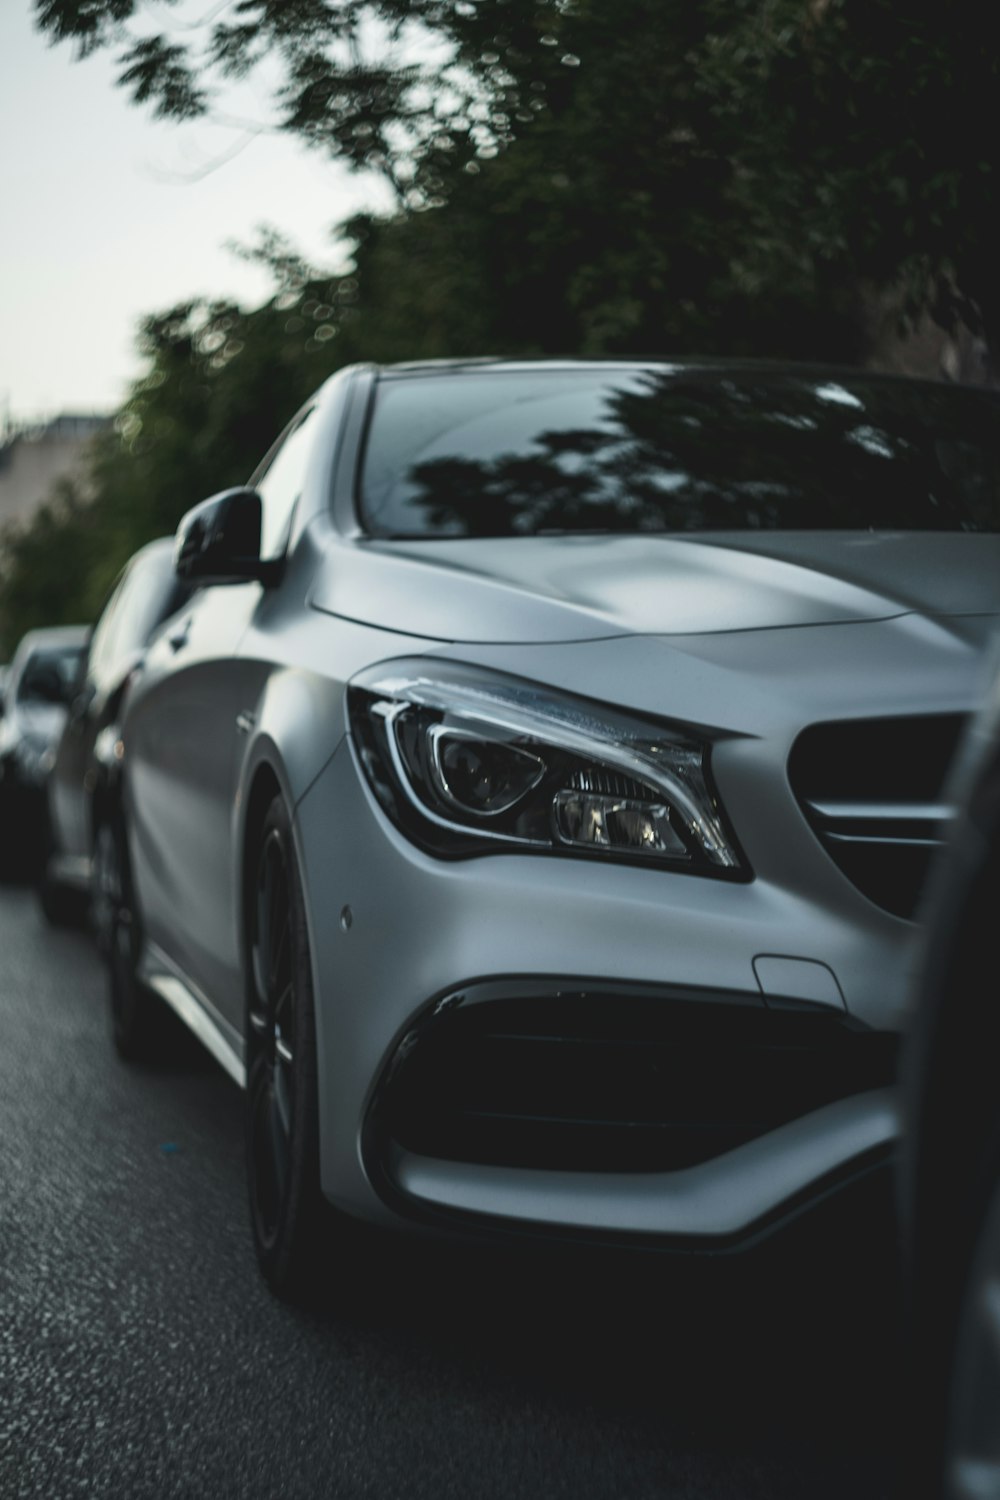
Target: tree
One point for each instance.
(657, 176)
(864, 135)
(763, 159)
(219, 384)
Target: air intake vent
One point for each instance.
(872, 791)
(609, 1081)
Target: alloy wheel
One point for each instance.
(106, 887)
(271, 1039)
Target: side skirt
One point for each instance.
(70, 869)
(163, 976)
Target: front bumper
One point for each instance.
(726, 1202)
(391, 926)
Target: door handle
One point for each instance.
(179, 637)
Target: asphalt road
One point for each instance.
(140, 1354)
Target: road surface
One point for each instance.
(140, 1354)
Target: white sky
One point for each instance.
(97, 226)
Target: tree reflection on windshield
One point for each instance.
(695, 452)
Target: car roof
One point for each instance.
(53, 636)
(50, 637)
(160, 544)
(713, 366)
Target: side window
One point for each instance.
(281, 484)
(141, 602)
(101, 649)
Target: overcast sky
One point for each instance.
(105, 217)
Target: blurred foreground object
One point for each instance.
(951, 1165)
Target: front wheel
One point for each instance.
(61, 905)
(287, 1211)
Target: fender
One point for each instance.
(303, 714)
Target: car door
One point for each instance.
(180, 750)
(184, 754)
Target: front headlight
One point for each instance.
(471, 762)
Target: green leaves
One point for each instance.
(786, 148)
(89, 23)
(219, 384)
(159, 72)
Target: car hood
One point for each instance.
(565, 588)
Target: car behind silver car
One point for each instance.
(38, 685)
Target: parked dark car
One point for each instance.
(88, 755)
(951, 1162)
(39, 683)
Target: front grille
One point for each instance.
(872, 792)
(617, 1082)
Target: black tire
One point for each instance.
(105, 884)
(137, 1015)
(62, 905)
(288, 1214)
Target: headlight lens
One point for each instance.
(468, 762)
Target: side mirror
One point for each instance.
(44, 683)
(219, 541)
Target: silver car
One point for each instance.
(530, 807)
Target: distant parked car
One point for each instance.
(88, 758)
(951, 1158)
(40, 681)
(531, 805)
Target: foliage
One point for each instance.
(801, 146)
(656, 176)
(45, 568)
(864, 136)
(220, 383)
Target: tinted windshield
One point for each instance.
(507, 453)
(49, 675)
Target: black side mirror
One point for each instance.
(219, 541)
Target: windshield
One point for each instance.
(515, 452)
(49, 675)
